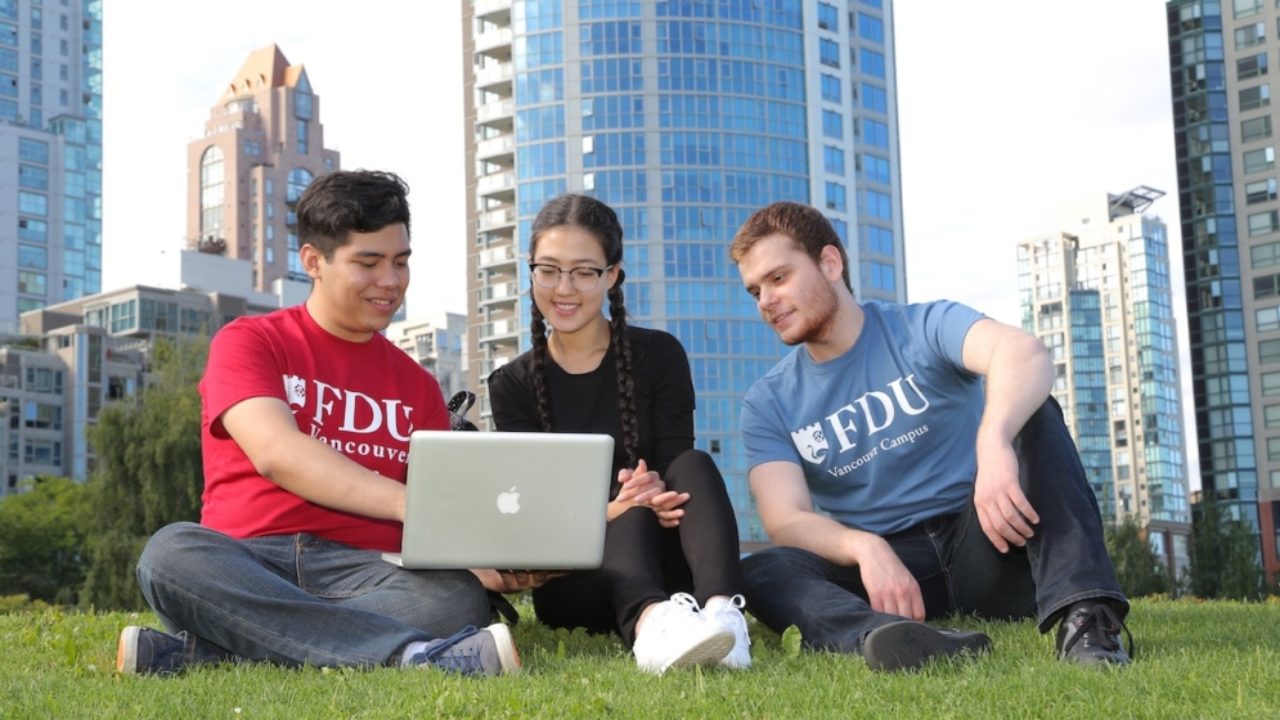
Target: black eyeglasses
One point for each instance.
(583, 278)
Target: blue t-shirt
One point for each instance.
(884, 433)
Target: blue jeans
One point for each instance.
(956, 566)
(298, 599)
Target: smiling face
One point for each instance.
(567, 309)
(355, 292)
(794, 294)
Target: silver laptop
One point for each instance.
(512, 501)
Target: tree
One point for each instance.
(149, 471)
(1224, 561)
(1206, 549)
(1241, 578)
(1138, 569)
(42, 538)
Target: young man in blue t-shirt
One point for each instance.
(926, 436)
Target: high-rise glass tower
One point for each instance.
(1098, 294)
(1224, 132)
(685, 116)
(50, 154)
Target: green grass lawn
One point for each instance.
(1195, 660)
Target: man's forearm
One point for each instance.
(823, 537)
(1018, 380)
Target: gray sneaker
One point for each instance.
(143, 651)
(908, 645)
(472, 651)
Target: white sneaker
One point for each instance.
(675, 635)
(728, 611)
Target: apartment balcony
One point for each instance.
(499, 185)
(500, 219)
(496, 77)
(488, 366)
(494, 258)
(496, 43)
(499, 114)
(499, 331)
(497, 12)
(502, 293)
(499, 150)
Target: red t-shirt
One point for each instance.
(362, 399)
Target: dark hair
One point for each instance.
(808, 229)
(598, 219)
(346, 201)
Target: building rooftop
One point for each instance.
(265, 67)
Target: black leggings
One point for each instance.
(645, 562)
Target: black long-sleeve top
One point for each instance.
(588, 402)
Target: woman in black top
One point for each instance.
(671, 527)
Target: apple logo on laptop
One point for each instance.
(509, 501)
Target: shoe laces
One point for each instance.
(452, 653)
(1102, 627)
(685, 601)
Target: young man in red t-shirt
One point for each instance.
(306, 416)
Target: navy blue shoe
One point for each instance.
(472, 651)
(143, 651)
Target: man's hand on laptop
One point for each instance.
(513, 581)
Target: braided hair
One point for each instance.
(601, 222)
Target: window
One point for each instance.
(30, 203)
(1255, 128)
(212, 192)
(1265, 255)
(837, 197)
(1268, 319)
(1265, 286)
(875, 134)
(1263, 223)
(830, 88)
(1259, 160)
(870, 28)
(828, 52)
(1245, 8)
(34, 177)
(1271, 416)
(304, 142)
(872, 62)
(833, 160)
(879, 240)
(1251, 66)
(876, 204)
(1252, 98)
(874, 168)
(33, 257)
(828, 18)
(882, 276)
(1268, 350)
(877, 100)
(32, 283)
(832, 124)
(1270, 384)
(1273, 449)
(299, 179)
(33, 230)
(1250, 35)
(1260, 191)
(34, 151)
